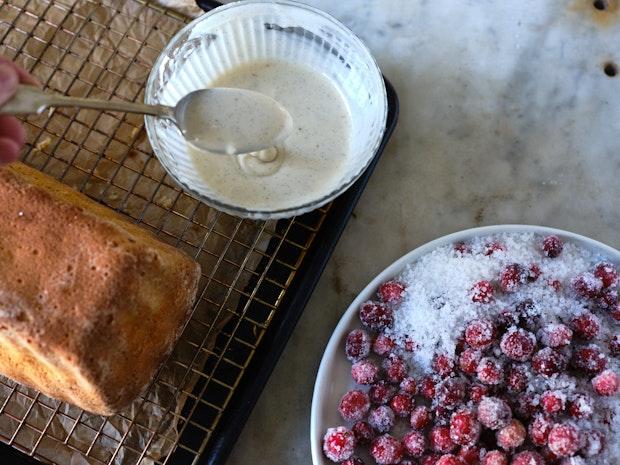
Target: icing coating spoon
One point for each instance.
(218, 120)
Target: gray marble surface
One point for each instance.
(507, 116)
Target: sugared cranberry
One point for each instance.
(580, 406)
(410, 345)
(494, 247)
(442, 365)
(462, 247)
(430, 459)
(533, 273)
(607, 273)
(381, 419)
(364, 372)
(593, 443)
(469, 360)
(528, 457)
(480, 334)
(354, 405)
(353, 461)
(518, 344)
(415, 443)
(517, 378)
(440, 441)
(449, 459)
(482, 292)
(464, 428)
(494, 457)
(376, 316)
(555, 335)
(470, 455)
(409, 386)
(526, 405)
(381, 392)
(395, 368)
(338, 444)
(387, 450)
(586, 326)
(552, 402)
(548, 362)
(420, 417)
(587, 285)
(383, 345)
(614, 313)
(428, 387)
(363, 432)
(552, 246)
(512, 435)
(450, 392)
(506, 319)
(511, 277)
(357, 345)
(477, 392)
(555, 284)
(607, 383)
(589, 359)
(564, 440)
(614, 344)
(494, 413)
(549, 457)
(539, 429)
(490, 371)
(391, 291)
(608, 298)
(401, 404)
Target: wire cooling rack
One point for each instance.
(256, 277)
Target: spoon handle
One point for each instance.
(30, 100)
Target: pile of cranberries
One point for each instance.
(477, 406)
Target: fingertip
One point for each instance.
(9, 150)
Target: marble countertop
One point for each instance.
(507, 116)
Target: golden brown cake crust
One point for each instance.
(90, 304)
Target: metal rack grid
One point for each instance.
(106, 49)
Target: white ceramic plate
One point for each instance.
(333, 378)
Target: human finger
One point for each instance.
(9, 150)
(24, 76)
(8, 82)
(11, 128)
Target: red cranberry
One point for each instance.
(564, 440)
(357, 345)
(555, 335)
(511, 277)
(589, 359)
(363, 432)
(552, 402)
(415, 443)
(528, 457)
(480, 334)
(587, 285)
(381, 419)
(482, 292)
(470, 455)
(391, 291)
(490, 371)
(353, 461)
(614, 344)
(387, 450)
(539, 429)
(364, 372)
(552, 246)
(395, 368)
(354, 405)
(429, 459)
(607, 273)
(517, 378)
(464, 428)
(376, 316)
(548, 362)
(449, 459)
(494, 413)
(511, 436)
(593, 443)
(338, 444)
(518, 344)
(580, 406)
(383, 345)
(608, 298)
(420, 417)
(450, 392)
(533, 273)
(494, 247)
(477, 392)
(440, 441)
(381, 392)
(428, 387)
(401, 404)
(549, 457)
(469, 360)
(614, 313)
(586, 326)
(526, 405)
(607, 383)
(409, 386)
(555, 285)
(442, 365)
(494, 457)
(462, 247)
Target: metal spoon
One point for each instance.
(219, 120)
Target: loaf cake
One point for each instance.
(90, 304)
